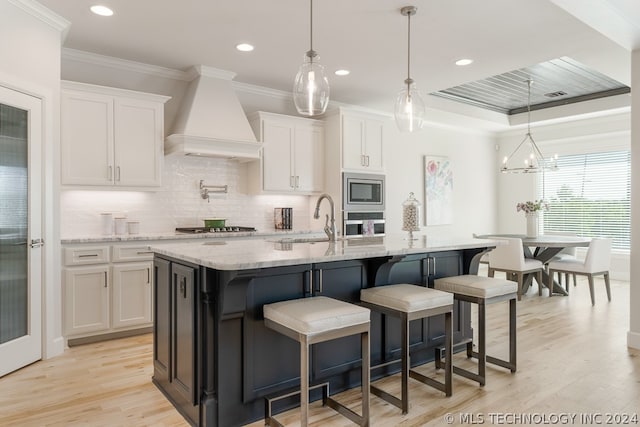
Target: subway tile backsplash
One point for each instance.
(178, 202)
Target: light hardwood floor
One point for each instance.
(572, 359)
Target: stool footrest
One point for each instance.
(468, 374)
(495, 361)
(431, 382)
(270, 420)
(388, 397)
(441, 350)
(343, 410)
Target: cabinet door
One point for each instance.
(309, 159)
(352, 142)
(343, 281)
(86, 297)
(373, 145)
(183, 355)
(277, 157)
(161, 314)
(131, 302)
(138, 142)
(86, 139)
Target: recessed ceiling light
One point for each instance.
(342, 72)
(101, 10)
(463, 62)
(244, 47)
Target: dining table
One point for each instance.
(545, 247)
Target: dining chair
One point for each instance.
(597, 261)
(568, 254)
(510, 259)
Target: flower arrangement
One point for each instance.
(530, 207)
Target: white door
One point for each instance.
(20, 230)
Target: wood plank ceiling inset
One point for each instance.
(556, 82)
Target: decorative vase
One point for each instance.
(532, 224)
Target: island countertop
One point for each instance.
(230, 254)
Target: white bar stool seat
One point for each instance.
(482, 291)
(411, 302)
(313, 320)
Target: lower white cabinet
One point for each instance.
(105, 294)
(86, 299)
(131, 294)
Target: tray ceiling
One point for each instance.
(556, 82)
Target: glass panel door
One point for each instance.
(20, 229)
(13, 223)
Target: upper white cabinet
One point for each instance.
(292, 159)
(111, 137)
(361, 139)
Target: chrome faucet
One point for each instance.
(329, 229)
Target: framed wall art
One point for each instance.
(438, 189)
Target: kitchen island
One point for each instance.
(216, 361)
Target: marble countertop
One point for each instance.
(244, 254)
(172, 235)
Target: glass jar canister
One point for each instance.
(411, 214)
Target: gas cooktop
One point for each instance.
(227, 229)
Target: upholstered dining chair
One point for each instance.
(567, 254)
(510, 259)
(597, 261)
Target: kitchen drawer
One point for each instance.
(131, 253)
(86, 255)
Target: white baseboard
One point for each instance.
(54, 347)
(633, 340)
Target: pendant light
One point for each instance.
(311, 87)
(409, 108)
(529, 154)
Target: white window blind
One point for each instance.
(589, 195)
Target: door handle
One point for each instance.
(36, 243)
(117, 173)
(297, 181)
(110, 173)
(183, 287)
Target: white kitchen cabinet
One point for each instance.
(86, 291)
(106, 294)
(111, 137)
(292, 159)
(361, 138)
(131, 294)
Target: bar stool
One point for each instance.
(411, 302)
(482, 291)
(314, 320)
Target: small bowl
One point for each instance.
(214, 223)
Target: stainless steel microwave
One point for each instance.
(362, 192)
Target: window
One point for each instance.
(590, 195)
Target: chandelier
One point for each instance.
(529, 158)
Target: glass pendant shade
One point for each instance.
(311, 87)
(409, 109)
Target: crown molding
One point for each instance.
(124, 64)
(37, 10)
(261, 90)
(204, 70)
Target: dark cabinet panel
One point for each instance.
(183, 351)
(272, 360)
(343, 281)
(176, 334)
(162, 330)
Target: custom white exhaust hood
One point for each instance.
(211, 121)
